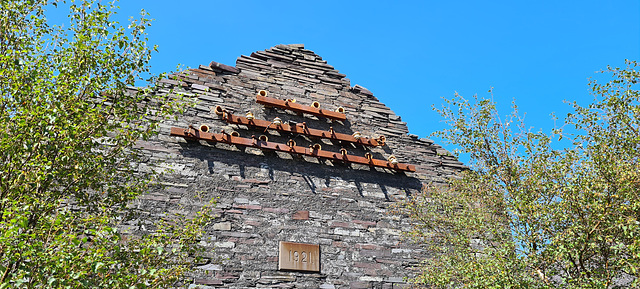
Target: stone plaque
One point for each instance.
(299, 257)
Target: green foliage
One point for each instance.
(533, 215)
(68, 127)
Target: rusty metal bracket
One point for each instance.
(300, 128)
(317, 152)
(261, 98)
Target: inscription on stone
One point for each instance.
(299, 257)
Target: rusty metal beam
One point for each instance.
(191, 133)
(300, 108)
(300, 128)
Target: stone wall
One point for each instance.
(268, 197)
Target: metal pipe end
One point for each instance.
(382, 140)
(368, 155)
(218, 110)
(357, 135)
(393, 160)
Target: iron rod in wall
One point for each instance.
(273, 146)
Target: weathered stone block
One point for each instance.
(360, 285)
(301, 215)
(224, 244)
(226, 226)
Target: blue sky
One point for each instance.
(412, 53)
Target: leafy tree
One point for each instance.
(532, 214)
(68, 126)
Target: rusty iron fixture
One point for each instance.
(316, 147)
(265, 145)
(382, 140)
(300, 128)
(250, 116)
(316, 104)
(331, 130)
(276, 121)
(262, 93)
(393, 160)
(291, 143)
(219, 110)
(368, 156)
(291, 100)
(357, 135)
(263, 138)
(188, 130)
(204, 128)
(340, 109)
(343, 151)
(235, 133)
(299, 108)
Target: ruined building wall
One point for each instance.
(268, 197)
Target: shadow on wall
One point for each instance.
(307, 169)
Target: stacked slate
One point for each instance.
(267, 197)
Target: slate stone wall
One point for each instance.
(268, 197)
